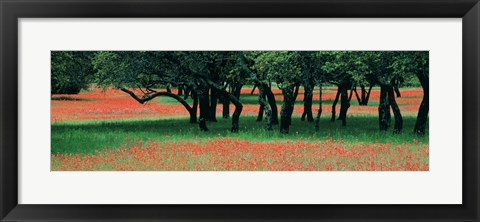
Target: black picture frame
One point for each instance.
(11, 11)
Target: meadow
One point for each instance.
(108, 130)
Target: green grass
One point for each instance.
(88, 136)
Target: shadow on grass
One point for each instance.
(67, 98)
(86, 137)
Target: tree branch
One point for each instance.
(149, 97)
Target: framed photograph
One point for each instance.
(239, 110)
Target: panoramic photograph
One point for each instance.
(239, 111)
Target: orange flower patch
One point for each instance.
(109, 104)
(230, 154)
(115, 104)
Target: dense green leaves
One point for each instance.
(143, 70)
(408, 64)
(286, 68)
(71, 71)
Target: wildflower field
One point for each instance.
(108, 130)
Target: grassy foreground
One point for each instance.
(175, 145)
(86, 137)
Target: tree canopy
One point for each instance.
(71, 71)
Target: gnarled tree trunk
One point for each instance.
(226, 107)
(396, 110)
(319, 113)
(193, 113)
(235, 101)
(368, 95)
(187, 92)
(236, 90)
(204, 107)
(272, 102)
(397, 91)
(213, 105)
(345, 104)
(363, 100)
(383, 109)
(260, 110)
(180, 91)
(287, 108)
(295, 95)
(265, 107)
(307, 104)
(351, 94)
(422, 117)
(357, 96)
(334, 105)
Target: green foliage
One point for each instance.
(154, 69)
(144, 70)
(411, 64)
(71, 71)
(345, 66)
(283, 67)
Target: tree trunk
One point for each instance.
(237, 91)
(422, 117)
(357, 96)
(319, 114)
(295, 94)
(180, 91)
(345, 104)
(235, 101)
(350, 96)
(264, 107)
(307, 104)
(253, 90)
(193, 112)
(396, 110)
(213, 105)
(236, 113)
(187, 92)
(365, 102)
(226, 107)
(260, 112)
(334, 105)
(397, 91)
(365, 95)
(290, 110)
(207, 101)
(389, 116)
(287, 107)
(273, 104)
(204, 108)
(383, 109)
